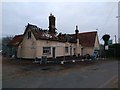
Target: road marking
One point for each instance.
(107, 82)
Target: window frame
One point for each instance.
(66, 49)
(46, 50)
(29, 35)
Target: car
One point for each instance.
(87, 56)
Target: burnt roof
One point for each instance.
(87, 39)
(43, 34)
(16, 40)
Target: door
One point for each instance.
(74, 50)
(81, 51)
(53, 52)
(70, 51)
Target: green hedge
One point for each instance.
(114, 50)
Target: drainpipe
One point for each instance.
(78, 48)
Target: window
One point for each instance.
(46, 50)
(66, 49)
(29, 35)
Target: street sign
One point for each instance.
(106, 47)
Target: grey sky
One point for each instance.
(87, 15)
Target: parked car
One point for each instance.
(87, 57)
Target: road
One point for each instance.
(101, 74)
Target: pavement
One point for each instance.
(25, 74)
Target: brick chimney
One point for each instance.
(76, 32)
(52, 24)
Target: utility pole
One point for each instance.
(118, 28)
(118, 22)
(115, 39)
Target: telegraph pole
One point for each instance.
(118, 22)
(118, 28)
(115, 39)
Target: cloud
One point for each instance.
(0, 20)
(87, 15)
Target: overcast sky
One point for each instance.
(89, 16)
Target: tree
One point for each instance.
(106, 39)
(5, 48)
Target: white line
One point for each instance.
(107, 82)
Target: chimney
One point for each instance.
(52, 24)
(77, 38)
(76, 32)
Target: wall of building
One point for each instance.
(96, 45)
(27, 47)
(32, 48)
(59, 48)
(88, 50)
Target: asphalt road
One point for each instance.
(101, 74)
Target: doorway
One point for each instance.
(70, 50)
(53, 52)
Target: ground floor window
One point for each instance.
(66, 49)
(47, 50)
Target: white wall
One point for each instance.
(25, 49)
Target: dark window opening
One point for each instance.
(66, 49)
(29, 35)
(47, 50)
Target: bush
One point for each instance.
(114, 50)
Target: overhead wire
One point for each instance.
(107, 20)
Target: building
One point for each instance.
(37, 42)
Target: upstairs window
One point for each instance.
(29, 35)
(47, 50)
(66, 49)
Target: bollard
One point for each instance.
(90, 59)
(62, 62)
(82, 59)
(73, 60)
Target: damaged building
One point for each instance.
(36, 42)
